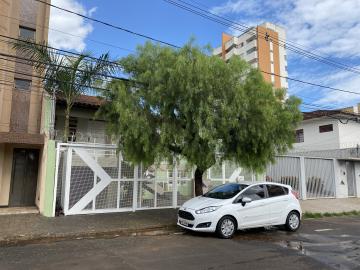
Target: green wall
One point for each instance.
(50, 179)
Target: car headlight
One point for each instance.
(207, 209)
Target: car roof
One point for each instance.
(264, 183)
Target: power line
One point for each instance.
(56, 65)
(56, 49)
(109, 24)
(90, 87)
(246, 28)
(243, 28)
(289, 78)
(313, 84)
(69, 34)
(250, 30)
(41, 77)
(270, 73)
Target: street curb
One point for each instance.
(48, 238)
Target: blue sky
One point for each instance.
(330, 28)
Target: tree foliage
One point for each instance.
(188, 104)
(65, 76)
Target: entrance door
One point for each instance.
(350, 172)
(24, 177)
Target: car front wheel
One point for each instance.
(293, 221)
(226, 227)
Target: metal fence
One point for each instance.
(311, 177)
(94, 178)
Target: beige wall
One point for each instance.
(13, 113)
(33, 15)
(6, 176)
(2, 154)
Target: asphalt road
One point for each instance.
(332, 243)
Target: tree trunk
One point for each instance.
(66, 126)
(198, 182)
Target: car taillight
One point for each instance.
(296, 194)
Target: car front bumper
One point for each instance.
(198, 219)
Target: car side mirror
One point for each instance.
(245, 200)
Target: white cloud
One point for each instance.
(330, 26)
(341, 80)
(236, 7)
(68, 23)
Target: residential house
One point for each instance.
(84, 127)
(332, 137)
(328, 129)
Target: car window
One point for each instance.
(226, 191)
(255, 192)
(275, 190)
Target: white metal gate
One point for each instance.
(95, 179)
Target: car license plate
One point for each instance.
(183, 222)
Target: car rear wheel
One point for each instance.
(292, 221)
(226, 227)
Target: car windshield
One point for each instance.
(226, 191)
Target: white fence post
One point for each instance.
(155, 193)
(336, 176)
(119, 182)
(223, 172)
(302, 178)
(57, 161)
(174, 185)
(67, 179)
(135, 188)
(95, 179)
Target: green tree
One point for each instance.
(65, 76)
(190, 105)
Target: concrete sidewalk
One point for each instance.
(27, 228)
(330, 205)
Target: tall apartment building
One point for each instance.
(259, 46)
(22, 103)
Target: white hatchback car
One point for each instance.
(233, 206)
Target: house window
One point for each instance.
(21, 84)
(26, 33)
(253, 49)
(326, 128)
(299, 136)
